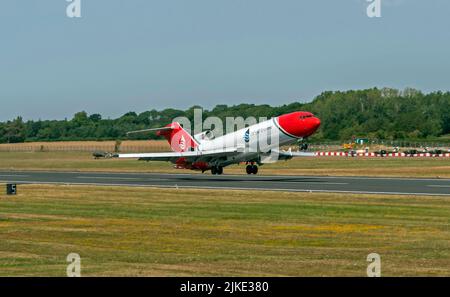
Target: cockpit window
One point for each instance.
(306, 116)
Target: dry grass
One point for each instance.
(162, 232)
(342, 166)
(87, 146)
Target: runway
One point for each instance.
(368, 185)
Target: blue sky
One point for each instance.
(143, 54)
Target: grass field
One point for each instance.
(161, 232)
(79, 161)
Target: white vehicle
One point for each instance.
(254, 145)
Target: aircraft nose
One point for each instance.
(313, 125)
(298, 124)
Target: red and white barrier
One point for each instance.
(394, 155)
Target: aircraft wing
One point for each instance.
(298, 154)
(190, 156)
(286, 155)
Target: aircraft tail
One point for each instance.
(179, 139)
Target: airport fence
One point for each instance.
(88, 146)
(380, 145)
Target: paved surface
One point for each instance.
(250, 183)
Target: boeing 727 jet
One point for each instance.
(254, 145)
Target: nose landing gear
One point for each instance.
(302, 145)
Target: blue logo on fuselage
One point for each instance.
(247, 136)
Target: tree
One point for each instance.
(80, 118)
(95, 117)
(381, 113)
(15, 131)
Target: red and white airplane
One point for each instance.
(254, 145)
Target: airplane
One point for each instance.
(204, 152)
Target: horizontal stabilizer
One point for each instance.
(150, 130)
(179, 139)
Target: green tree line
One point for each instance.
(373, 113)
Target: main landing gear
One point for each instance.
(216, 170)
(251, 169)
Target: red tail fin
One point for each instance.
(179, 139)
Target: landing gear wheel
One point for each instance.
(219, 170)
(251, 169)
(216, 170)
(304, 147)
